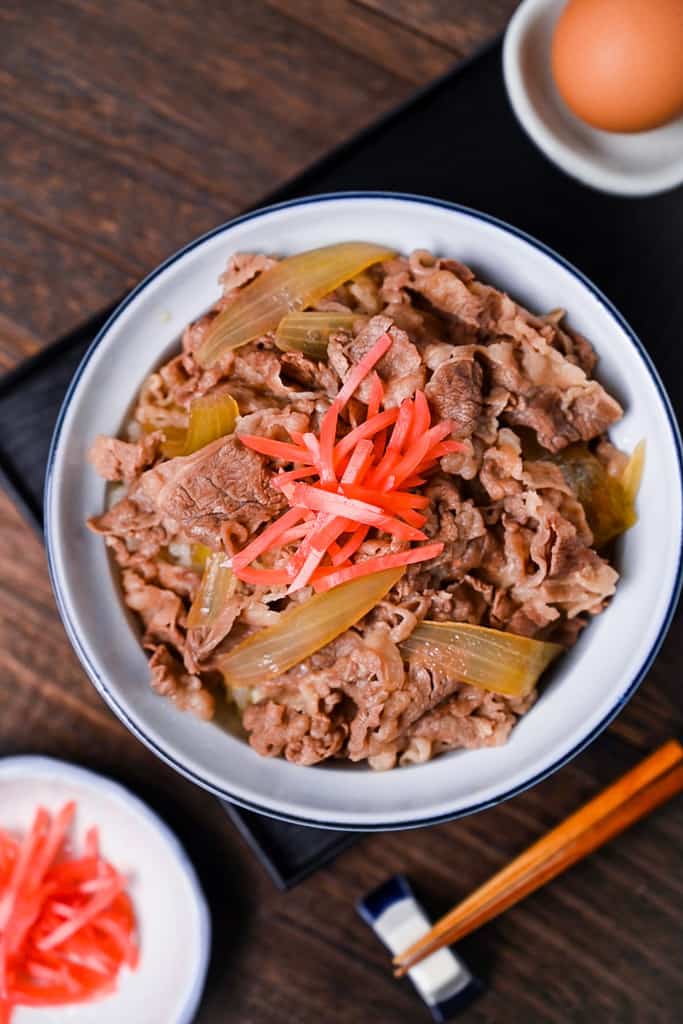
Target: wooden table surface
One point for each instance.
(127, 129)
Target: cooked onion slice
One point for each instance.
(609, 501)
(289, 286)
(310, 332)
(632, 475)
(502, 662)
(218, 584)
(199, 554)
(304, 629)
(211, 416)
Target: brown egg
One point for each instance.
(618, 64)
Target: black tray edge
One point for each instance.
(10, 477)
(299, 182)
(266, 858)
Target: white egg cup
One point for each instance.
(637, 164)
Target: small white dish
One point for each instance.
(631, 165)
(173, 919)
(589, 685)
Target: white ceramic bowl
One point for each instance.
(172, 916)
(588, 687)
(634, 164)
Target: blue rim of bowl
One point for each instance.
(225, 794)
(54, 765)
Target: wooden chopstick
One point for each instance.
(654, 780)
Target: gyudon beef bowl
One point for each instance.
(383, 511)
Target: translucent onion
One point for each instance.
(310, 332)
(497, 661)
(200, 554)
(304, 629)
(633, 474)
(211, 416)
(290, 285)
(217, 586)
(609, 501)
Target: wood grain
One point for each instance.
(637, 793)
(454, 24)
(126, 129)
(169, 131)
(372, 35)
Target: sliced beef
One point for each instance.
(455, 392)
(395, 282)
(571, 344)
(123, 460)
(259, 365)
(156, 408)
(166, 395)
(278, 730)
(242, 268)
(586, 417)
(549, 394)
(445, 285)
(501, 466)
(339, 695)
(160, 610)
(221, 483)
(274, 423)
(186, 691)
(469, 718)
(199, 383)
(459, 525)
(384, 717)
(401, 611)
(587, 588)
(543, 368)
(364, 297)
(550, 568)
(401, 368)
(466, 601)
(136, 527)
(312, 375)
(178, 578)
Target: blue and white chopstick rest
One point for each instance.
(443, 980)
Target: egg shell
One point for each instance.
(618, 64)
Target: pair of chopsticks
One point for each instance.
(655, 780)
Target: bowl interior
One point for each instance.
(587, 687)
